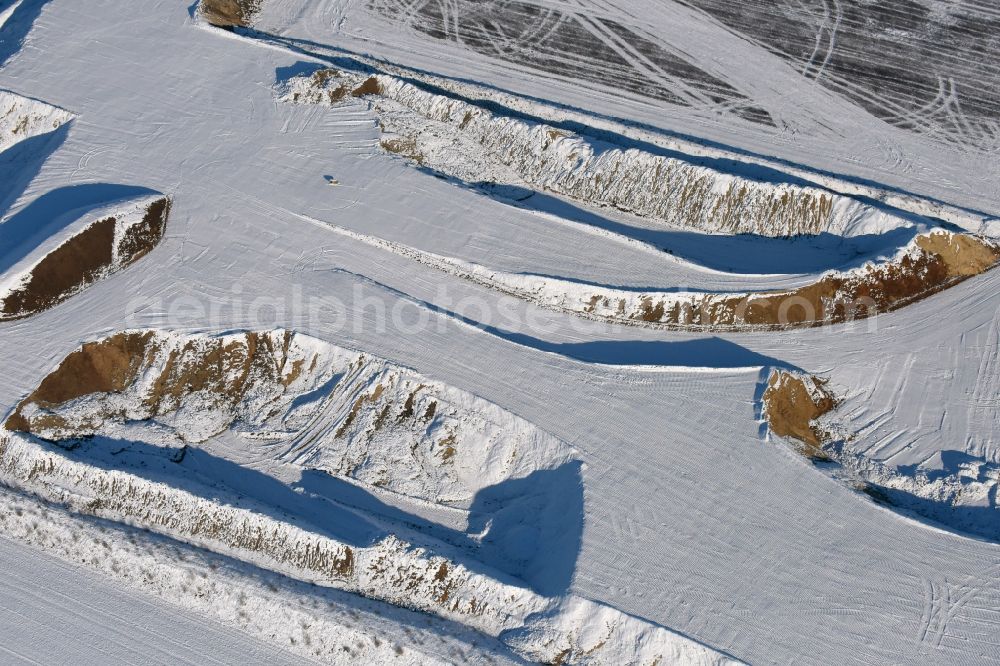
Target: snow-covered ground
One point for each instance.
(691, 533)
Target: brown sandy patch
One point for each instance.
(230, 13)
(962, 254)
(109, 365)
(792, 404)
(84, 259)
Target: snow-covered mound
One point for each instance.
(92, 247)
(22, 118)
(325, 403)
(474, 144)
(388, 427)
(313, 622)
(333, 409)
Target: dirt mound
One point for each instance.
(942, 260)
(85, 258)
(792, 403)
(230, 13)
(222, 372)
(931, 263)
(369, 86)
(336, 410)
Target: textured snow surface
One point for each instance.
(609, 492)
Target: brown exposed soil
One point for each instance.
(962, 254)
(74, 264)
(140, 239)
(408, 405)
(84, 259)
(651, 312)
(107, 366)
(229, 13)
(322, 76)
(447, 447)
(404, 146)
(344, 566)
(356, 409)
(791, 409)
(370, 86)
(223, 370)
(337, 94)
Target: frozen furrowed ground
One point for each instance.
(690, 532)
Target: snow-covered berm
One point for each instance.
(927, 264)
(470, 142)
(313, 623)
